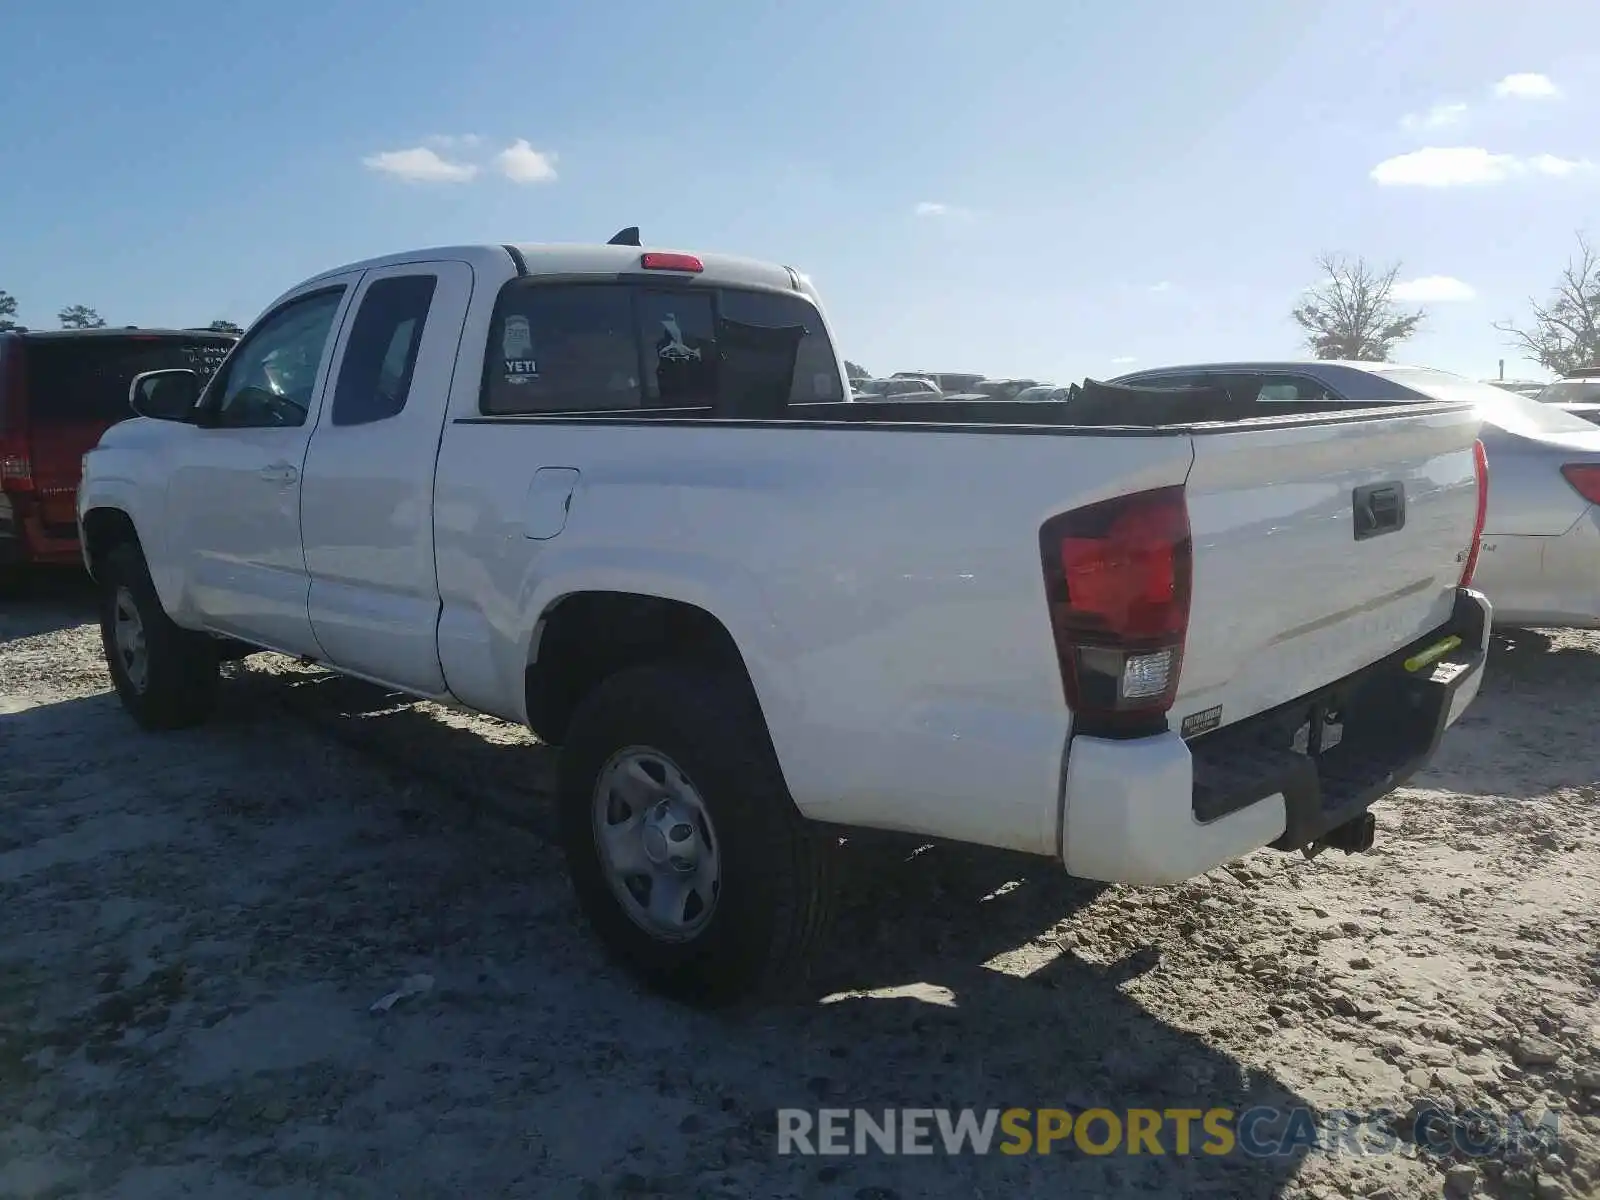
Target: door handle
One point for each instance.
(279, 473)
(1379, 508)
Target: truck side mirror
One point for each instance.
(165, 395)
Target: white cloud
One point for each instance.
(1440, 116)
(1123, 360)
(932, 208)
(1164, 286)
(420, 165)
(1467, 166)
(1526, 86)
(521, 163)
(1549, 164)
(1432, 289)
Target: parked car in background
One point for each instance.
(1003, 389)
(749, 614)
(949, 382)
(1540, 558)
(59, 391)
(1044, 391)
(1522, 387)
(898, 389)
(1577, 392)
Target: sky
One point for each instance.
(1043, 188)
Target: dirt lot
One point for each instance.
(195, 928)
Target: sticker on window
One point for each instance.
(516, 346)
(673, 348)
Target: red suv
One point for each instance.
(59, 391)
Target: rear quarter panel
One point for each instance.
(884, 588)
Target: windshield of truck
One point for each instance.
(1571, 391)
(1506, 410)
(83, 380)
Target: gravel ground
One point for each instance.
(196, 927)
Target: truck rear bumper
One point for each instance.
(1159, 810)
(24, 538)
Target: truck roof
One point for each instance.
(543, 258)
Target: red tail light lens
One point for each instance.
(1480, 466)
(1118, 576)
(657, 260)
(1585, 480)
(16, 468)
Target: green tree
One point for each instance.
(856, 370)
(225, 327)
(8, 310)
(1566, 328)
(1352, 314)
(80, 316)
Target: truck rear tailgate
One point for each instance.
(1319, 547)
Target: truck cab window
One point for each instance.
(812, 376)
(678, 339)
(379, 358)
(271, 378)
(561, 348)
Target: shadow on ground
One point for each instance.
(908, 1010)
(45, 600)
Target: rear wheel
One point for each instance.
(165, 676)
(686, 851)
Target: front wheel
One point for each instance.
(165, 675)
(686, 851)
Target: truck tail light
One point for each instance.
(16, 470)
(1117, 578)
(657, 260)
(16, 464)
(1480, 465)
(1585, 480)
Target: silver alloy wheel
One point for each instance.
(658, 850)
(127, 629)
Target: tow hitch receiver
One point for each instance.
(1353, 837)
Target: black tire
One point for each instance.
(179, 688)
(776, 867)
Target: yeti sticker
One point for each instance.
(671, 347)
(516, 345)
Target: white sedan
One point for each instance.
(1540, 558)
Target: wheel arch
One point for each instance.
(584, 637)
(104, 528)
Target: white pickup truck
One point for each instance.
(621, 495)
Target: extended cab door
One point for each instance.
(367, 515)
(233, 496)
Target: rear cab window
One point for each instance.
(83, 378)
(614, 347)
(381, 353)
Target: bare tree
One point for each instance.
(1352, 314)
(8, 310)
(80, 316)
(1566, 329)
(225, 327)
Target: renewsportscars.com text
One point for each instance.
(1255, 1133)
